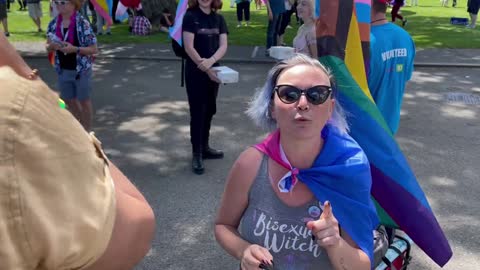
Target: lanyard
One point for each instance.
(65, 34)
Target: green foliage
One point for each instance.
(429, 25)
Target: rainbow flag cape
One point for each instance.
(343, 34)
(104, 8)
(175, 31)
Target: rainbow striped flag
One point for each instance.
(175, 31)
(104, 8)
(343, 34)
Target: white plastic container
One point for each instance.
(281, 52)
(226, 74)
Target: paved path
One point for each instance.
(251, 54)
(142, 119)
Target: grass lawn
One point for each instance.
(429, 24)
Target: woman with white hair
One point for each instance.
(305, 41)
(301, 198)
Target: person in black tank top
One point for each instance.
(205, 42)
(69, 61)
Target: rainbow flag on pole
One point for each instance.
(175, 31)
(104, 8)
(343, 31)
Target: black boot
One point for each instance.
(210, 153)
(197, 163)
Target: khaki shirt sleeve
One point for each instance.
(57, 200)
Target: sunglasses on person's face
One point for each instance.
(316, 95)
(61, 3)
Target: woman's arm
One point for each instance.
(133, 229)
(220, 53)
(313, 50)
(69, 48)
(347, 255)
(188, 39)
(206, 64)
(312, 43)
(343, 252)
(90, 50)
(235, 201)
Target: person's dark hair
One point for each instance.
(216, 4)
(140, 13)
(165, 10)
(379, 6)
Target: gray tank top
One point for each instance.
(281, 229)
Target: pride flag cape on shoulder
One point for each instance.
(340, 174)
(343, 31)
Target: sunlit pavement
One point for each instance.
(143, 121)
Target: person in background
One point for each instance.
(53, 9)
(166, 21)
(101, 24)
(397, 4)
(35, 12)
(275, 8)
(60, 193)
(285, 21)
(301, 198)
(4, 17)
(258, 4)
(305, 41)
(243, 9)
(22, 4)
(72, 39)
(141, 25)
(205, 42)
(392, 53)
(472, 7)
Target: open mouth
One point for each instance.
(302, 119)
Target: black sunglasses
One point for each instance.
(61, 2)
(316, 95)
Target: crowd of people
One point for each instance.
(104, 222)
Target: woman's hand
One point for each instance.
(53, 46)
(325, 230)
(206, 64)
(68, 48)
(212, 74)
(254, 256)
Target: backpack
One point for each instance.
(178, 49)
(180, 52)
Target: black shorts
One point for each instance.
(3, 10)
(473, 6)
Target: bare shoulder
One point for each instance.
(246, 167)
